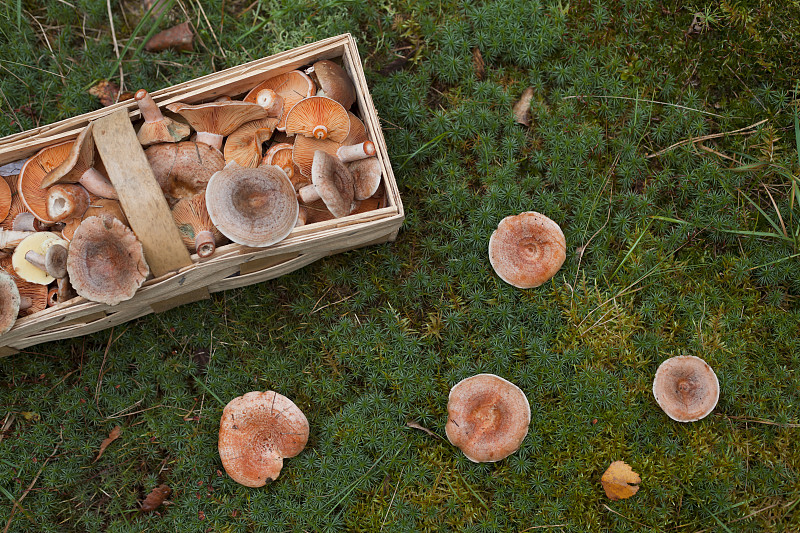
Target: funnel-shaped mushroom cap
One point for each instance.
(366, 176)
(9, 302)
(487, 417)
(333, 183)
(245, 144)
(334, 82)
(80, 159)
(197, 231)
(221, 118)
(292, 87)
(183, 169)
(156, 127)
(304, 148)
(97, 207)
(33, 193)
(318, 117)
(106, 261)
(686, 388)
(252, 206)
(280, 154)
(527, 249)
(5, 199)
(256, 433)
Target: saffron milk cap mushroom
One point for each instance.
(5, 199)
(9, 302)
(333, 82)
(280, 154)
(215, 120)
(38, 243)
(304, 148)
(686, 388)
(318, 117)
(197, 231)
(366, 176)
(156, 127)
(527, 249)
(245, 144)
(183, 169)
(257, 432)
(252, 206)
(331, 182)
(66, 200)
(29, 186)
(487, 417)
(291, 86)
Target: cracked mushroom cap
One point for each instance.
(686, 388)
(106, 261)
(256, 433)
(292, 87)
(252, 206)
(527, 249)
(245, 144)
(9, 302)
(30, 188)
(333, 82)
(318, 117)
(183, 169)
(487, 417)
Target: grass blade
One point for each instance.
(211, 392)
(632, 249)
(145, 18)
(428, 144)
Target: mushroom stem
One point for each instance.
(355, 152)
(24, 221)
(302, 216)
(320, 132)
(204, 243)
(148, 107)
(25, 302)
(211, 139)
(271, 101)
(36, 259)
(308, 194)
(9, 239)
(97, 184)
(65, 291)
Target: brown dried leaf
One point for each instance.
(107, 92)
(178, 37)
(478, 63)
(155, 498)
(114, 435)
(620, 481)
(416, 425)
(522, 109)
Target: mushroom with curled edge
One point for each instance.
(527, 249)
(487, 417)
(291, 86)
(97, 207)
(32, 296)
(252, 206)
(245, 144)
(197, 231)
(318, 117)
(9, 302)
(17, 207)
(66, 201)
(280, 154)
(156, 127)
(686, 388)
(106, 261)
(29, 261)
(215, 120)
(29, 183)
(183, 169)
(358, 133)
(366, 176)
(331, 182)
(78, 167)
(257, 432)
(333, 82)
(10, 239)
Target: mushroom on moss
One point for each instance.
(487, 417)
(686, 388)
(257, 432)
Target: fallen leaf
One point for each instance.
(478, 63)
(107, 92)
(155, 498)
(114, 435)
(31, 415)
(699, 24)
(178, 37)
(522, 109)
(620, 481)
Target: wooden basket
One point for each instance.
(178, 277)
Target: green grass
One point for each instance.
(664, 258)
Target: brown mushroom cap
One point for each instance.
(97, 207)
(280, 154)
(527, 249)
(183, 169)
(106, 262)
(319, 117)
(245, 144)
(156, 127)
(197, 231)
(66, 200)
(366, 176)
(686, 388)
(292, 87)
(6, 197)
(256, 433)
(334, 82)
(333, 182)
(9, 302)
(33, 173)
(217, 119)
(487, 417)
(252, 206)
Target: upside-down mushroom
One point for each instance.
(319, 117)
(197, 231)
(292, 87)
(214, 120)
(245, 144)
(331, 182)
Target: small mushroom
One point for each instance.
(78, 167)
(97, 207)
(686, 388)
(29, 261)
(183, 169)
(318, 117)
(257, 432)
(527, 249)
(9, 301)
(106, 262)
(333, 82)
(65, 201)
(197, 231)
(215, 120)
(252, 206)
(292, 86)
(280, 154)
(30, 182)
(487, 417)
(245, 144)
(331, 182)
(156, 127)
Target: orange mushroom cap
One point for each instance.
(196, 228)
(487, 417)
(280, 154)
(33, 173)
(686, 388)
(17, 207)
(292, 86)
(157, 128)
(319, 117)
(183, 169)
(358, 133)
(6, 197)
(527, 249)
(245, 144)
(257, 432)
(304, 149)
(214, 120)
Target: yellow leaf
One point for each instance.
(620, 481)
(30, 415)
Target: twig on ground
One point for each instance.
(740, 131)
(116, 51)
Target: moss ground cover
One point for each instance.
(688, 251)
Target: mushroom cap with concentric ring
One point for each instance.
(527, 249)
(686, 388)
(256, 433)
(487, 417)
